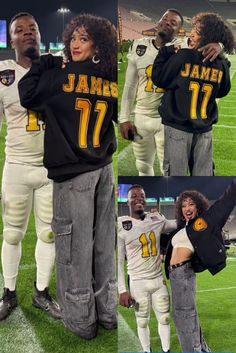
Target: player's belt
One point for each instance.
(172, 267)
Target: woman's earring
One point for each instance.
(95, 59)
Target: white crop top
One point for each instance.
(181, 240)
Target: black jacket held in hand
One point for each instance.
(79, 105)
(189, 103)
(205, 234)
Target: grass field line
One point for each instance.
(127, 340)
(232, 72)
(226, 126)
(233, 142)
(131, 343)
(228, 105)
(227, 115)
(20, 337)
(125, 153)
(214, 289)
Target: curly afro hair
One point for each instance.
(199, 199)
(104, 36)
(214, 30)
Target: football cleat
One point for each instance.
(45, 302)
(8, 302)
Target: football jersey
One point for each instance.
(25, 134)
(138, 82)
(139, 242)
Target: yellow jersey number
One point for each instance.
(149, 86)
(146, 252)
(33, 122)
(195, 88)
(85, 106)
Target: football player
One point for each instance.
(24, 184)
(139, 243)
(139, 86)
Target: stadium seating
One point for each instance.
(136, 16)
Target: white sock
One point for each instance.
(144, 337)
(11, 255)
(164, 333)
(45, 257)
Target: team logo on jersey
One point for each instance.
(141, 49)
(127, 225)
(154, 218)
(199, 225)
(7, 77)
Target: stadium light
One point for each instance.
(63, 11)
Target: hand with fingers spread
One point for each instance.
(210, 51)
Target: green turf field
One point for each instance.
(224, 133)
(28, 330)
(217, 312)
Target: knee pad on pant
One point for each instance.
(162, 303)
(142, 322)
(164, 319)
(143, 310)
(161, 306)
(13, 236)
(15, 214)
(47, 236)
(144, 167)
(142, 315)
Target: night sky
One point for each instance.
(211, 187)
(49, 20)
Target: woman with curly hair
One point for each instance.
(197, 245)
(188, 108)
(103, 36)
(209, 28)
(79, 101)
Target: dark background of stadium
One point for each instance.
(50, 21)
(211, 187)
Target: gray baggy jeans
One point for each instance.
(180, 145)
(184, 309)
(84, 224)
